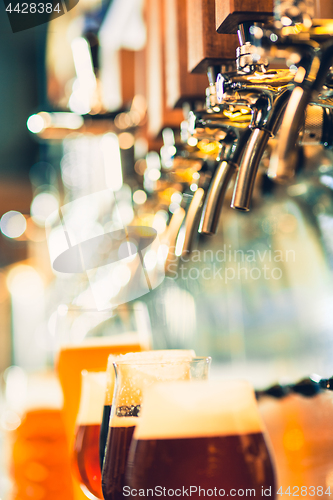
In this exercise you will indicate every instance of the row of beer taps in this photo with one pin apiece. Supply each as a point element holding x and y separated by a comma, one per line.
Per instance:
<point>253,122</point>
<point>247,107</point>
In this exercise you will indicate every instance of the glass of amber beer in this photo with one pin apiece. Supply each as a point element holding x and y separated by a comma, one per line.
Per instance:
<point>111,378</point>
<point>132,377</point>
<point>86,450</point>
<point>200,435</point>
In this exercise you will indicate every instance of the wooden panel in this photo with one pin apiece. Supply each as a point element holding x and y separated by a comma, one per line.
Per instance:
<point>181,85</point>
<point>159,115</point>
<point>229,13</point>
<point>324,9</point>
<point>205,46</point>
<point>127,70</point>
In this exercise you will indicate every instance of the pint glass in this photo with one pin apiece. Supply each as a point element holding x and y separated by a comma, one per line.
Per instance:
<point>86,450</point>
<point>200,436</point>
<point>110,383</point>
<point>131,380</point>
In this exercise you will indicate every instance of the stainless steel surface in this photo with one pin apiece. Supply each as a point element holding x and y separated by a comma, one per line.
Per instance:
<point>248,169</point>
<point>192,221</point>
<point>312,132</point>
<point>215,196</point>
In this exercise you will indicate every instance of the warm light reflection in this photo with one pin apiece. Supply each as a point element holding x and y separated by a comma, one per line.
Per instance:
<point>208,147</point>
<point>126,140</point>
<point>24,283</point>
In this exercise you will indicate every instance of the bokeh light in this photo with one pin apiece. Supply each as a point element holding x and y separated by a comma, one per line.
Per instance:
<point>42,206</point>
<point>13,224</point>
<point>35,124</point>
<point>139,197</point>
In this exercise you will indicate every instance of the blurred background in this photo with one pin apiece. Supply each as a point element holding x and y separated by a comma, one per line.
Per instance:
<point>91,105</point>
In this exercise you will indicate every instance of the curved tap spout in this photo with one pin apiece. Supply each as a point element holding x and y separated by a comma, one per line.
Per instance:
<point>192,221</point>
<point>266,119</point>
<point>248,169</point>
<point>310,78</point>
<point>216,193</point>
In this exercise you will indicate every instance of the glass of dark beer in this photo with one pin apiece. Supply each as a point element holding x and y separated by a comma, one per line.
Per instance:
<point>86,451</point>
<point>110,383</point>
<point>132,378</point>
<point>206,435</point>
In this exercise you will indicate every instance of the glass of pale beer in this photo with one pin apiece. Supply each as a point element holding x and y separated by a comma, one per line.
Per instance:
<point>200,435</point>
<point>86,449</point>
<point>132,378</point>
<point>111,378</point>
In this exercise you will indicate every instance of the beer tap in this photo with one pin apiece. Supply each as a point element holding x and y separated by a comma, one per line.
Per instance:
<point>312,44</point>
<point>266,93</point>
<point>233,136</point>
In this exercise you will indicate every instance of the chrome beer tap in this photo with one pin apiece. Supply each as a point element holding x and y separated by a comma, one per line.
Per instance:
<point>233,136</point>
<point>311,46</point>
<point>265,92</point>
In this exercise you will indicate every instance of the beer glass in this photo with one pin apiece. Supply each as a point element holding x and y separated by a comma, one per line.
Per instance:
<point>86,451</point>
<point>110,383</point>
<point>131,380</point>
<point>206,435</point>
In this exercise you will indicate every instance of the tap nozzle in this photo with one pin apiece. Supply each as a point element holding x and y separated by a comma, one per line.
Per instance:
<point>192,221</point>
<point>248,168</point>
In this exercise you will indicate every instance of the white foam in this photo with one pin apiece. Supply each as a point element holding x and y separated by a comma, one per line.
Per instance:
<point>92,398</point>
<point>156,355</point>
<point>142,357</point>
<point>124,421</point>
<point>198,409</point>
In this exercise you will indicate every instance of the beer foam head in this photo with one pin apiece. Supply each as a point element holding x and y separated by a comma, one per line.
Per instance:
<point>141,357</point>
<point>156,355</point>
<point>134,377</point>
<point>198,409</point>
<point>92,398</point>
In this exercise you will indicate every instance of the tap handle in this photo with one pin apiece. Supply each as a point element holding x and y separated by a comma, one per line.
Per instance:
<point>248,168</point>
<point>215,196</point>
<point>192,221</point>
